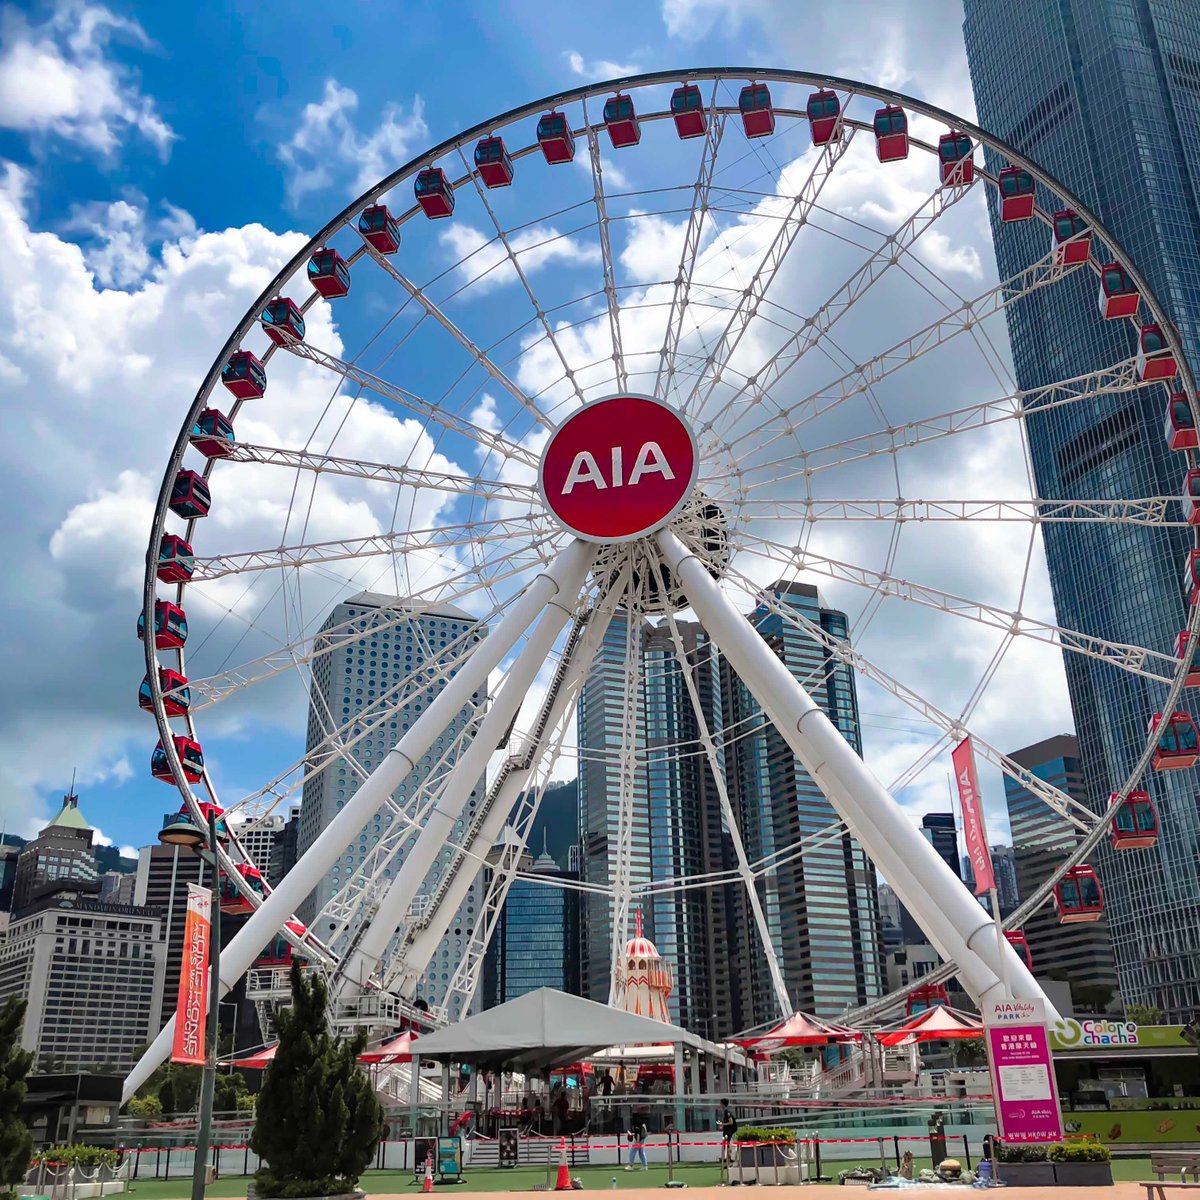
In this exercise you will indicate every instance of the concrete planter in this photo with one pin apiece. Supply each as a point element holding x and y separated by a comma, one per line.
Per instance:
<point>765,1175</point>
<point>1027,1174</point>
<point>1083,1174</point>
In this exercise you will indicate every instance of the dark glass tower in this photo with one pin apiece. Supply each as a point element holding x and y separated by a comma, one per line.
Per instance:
<point>1105,95</point>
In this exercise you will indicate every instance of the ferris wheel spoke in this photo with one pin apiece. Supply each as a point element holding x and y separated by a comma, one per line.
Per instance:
<point>1065,805</point>
<point>891,251</point>
<point>1149,510</point>
<point>1016,406</point>
<point>356,468</point>
<point>466,533</point>
<point>213,689</point>
<point>606,255</point>
<point>481,357</point>
<point>437,413</point>
<point>1134,659</point>
<point>1043,273</point>
<point>691,248</point>
<point>515,262</point>
<point>751,297</point>
<point>717,772</point>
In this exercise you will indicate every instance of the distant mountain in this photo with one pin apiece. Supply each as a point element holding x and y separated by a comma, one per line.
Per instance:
<point>558,821</point>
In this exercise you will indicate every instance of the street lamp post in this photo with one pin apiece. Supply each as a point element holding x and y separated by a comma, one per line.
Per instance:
<point>184,833</point>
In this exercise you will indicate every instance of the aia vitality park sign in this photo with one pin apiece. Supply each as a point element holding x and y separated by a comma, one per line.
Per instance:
<point>619,468</point>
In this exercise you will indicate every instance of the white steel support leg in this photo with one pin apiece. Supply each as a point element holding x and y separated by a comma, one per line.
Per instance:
<point>422,947</point>
<point>295,886</point>
<point>952,920</point>
<point>567,576</point>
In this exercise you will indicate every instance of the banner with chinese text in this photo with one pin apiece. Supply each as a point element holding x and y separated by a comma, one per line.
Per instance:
<point>192,1005</point>
<point>1023,1084</point>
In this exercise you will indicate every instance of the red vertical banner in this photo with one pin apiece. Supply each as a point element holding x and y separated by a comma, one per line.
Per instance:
<point>974,830</point>
<point>192,1005</point>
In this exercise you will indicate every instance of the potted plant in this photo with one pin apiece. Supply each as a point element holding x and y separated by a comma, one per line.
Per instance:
<point>1024,1166</point>
<point>768,1147</point>
<point>1081,1164</point>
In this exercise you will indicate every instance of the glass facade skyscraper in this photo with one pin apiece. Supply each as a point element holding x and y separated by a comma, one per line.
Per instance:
<point>370,686</point>
<point>1105,95</point>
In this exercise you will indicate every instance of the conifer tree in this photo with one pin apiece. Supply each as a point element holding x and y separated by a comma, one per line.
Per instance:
<point>16,1146</point>
<point>318,1118</point>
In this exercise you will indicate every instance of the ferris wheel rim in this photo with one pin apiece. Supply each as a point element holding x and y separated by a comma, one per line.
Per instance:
<point>582,94</point>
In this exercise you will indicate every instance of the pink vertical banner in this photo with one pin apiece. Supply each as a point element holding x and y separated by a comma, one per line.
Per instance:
<point>1022,1070</point>
<point>192,1004</point>
<point>974,830</point>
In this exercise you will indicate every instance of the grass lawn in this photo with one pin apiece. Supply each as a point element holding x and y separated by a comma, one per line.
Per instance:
<point>594,1179</point>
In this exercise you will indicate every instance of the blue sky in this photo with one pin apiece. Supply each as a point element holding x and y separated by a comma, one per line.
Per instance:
<point>156,163</point>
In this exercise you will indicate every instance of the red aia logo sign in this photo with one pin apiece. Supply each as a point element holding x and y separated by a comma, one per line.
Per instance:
<point>618,468</point>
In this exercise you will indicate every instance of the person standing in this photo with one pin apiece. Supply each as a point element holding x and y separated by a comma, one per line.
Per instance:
<point>728,1123</point>
<point>637,1143</point>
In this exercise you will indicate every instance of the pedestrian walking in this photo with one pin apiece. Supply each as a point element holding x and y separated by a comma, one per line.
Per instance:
<point>637,1144</point>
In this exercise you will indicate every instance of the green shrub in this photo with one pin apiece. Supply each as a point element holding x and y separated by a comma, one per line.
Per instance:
<point>1007,1152</point>
<point>765,1133</point>
<point>87,1157</point>
<point>265,1184</point>
<point>148,1108</point>
<point>1083,1150</point>
<point>16,1146</point>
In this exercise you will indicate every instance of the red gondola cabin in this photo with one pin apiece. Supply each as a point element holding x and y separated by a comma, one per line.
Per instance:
<point>170,626</point>
<point>555,138</point>
<point>824,115</point>
<point>1154,359</point>
<point>1078,896</point>
<point>232,900</point>
<point>687,108</point>
<point>758,117</point>
<point>493,162</point>
<point>1070,238</point>
<point>1192,678</point>
<point>190,756</point>
<point>954,158</point>
<point>283,322</point>
<point>434,193</point>
<point>1018,941</point>
<point>212,434</point>
<point>1180,425</point>
<point>620,119</point>
<point>177,696</point>
<point>1118,294</point>
<point>176,562</point>
<point>378,229</point>
<point>1191,576</point>
<point>1135,823</point>
<point>244,375</point>
<point>190,497</point>
<point>931,995</point>
<point>1016,186</point>
<point>891,134</point>
<point>1178,748</point>
<point>329,273</point>
<point>1191,496</point>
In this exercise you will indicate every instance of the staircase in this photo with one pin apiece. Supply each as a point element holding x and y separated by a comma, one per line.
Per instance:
<point>532,1151</point>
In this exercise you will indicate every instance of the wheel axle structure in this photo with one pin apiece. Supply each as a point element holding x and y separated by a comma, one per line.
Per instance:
<point>611,396</point>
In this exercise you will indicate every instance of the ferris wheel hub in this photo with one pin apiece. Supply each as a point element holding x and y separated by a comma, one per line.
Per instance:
<point>619,468</point>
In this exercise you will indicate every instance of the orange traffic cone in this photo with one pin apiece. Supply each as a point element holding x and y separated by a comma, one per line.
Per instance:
<point>563,1182</point>
<point>427,1186</point>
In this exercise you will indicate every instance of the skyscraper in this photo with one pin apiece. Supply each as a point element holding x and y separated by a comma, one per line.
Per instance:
<point>1105,94</point>
<point>536,941</point>
<point>374,681</point>
<point>822,908</point>
<point>1042,840</point>
<point>940,832</point>
<point>60,855</point>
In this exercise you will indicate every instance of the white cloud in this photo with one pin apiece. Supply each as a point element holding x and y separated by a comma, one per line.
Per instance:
<point>600,68</point>
<point>485,261</point>
<point>58,78</point>
<point>328,150</point>
<point>692,20</point>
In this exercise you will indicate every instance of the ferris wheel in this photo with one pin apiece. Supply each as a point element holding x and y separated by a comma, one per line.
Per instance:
<point>635,353</point>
